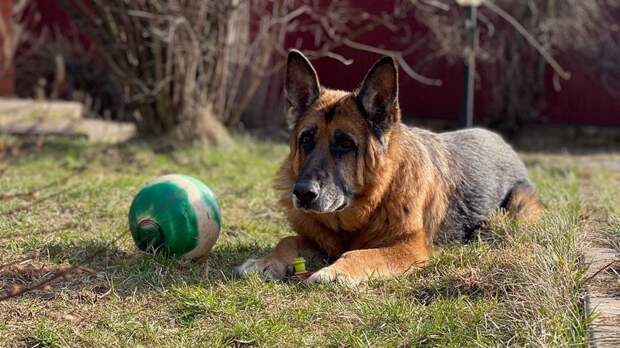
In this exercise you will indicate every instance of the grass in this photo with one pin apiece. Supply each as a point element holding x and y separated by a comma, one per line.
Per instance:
<point>602,198</point>
<point>517,285</point>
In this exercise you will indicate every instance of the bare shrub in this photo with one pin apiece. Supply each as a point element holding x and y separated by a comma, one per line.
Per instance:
<point>582,31</point>
<point>54,63</point>
<point>184,68</point>
<point>169,56</point>
<point>190,66</point>
<point>144,54</point>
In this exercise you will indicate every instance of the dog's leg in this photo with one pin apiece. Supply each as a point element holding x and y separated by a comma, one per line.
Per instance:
<point>275,264</point>
<point>384,262</point>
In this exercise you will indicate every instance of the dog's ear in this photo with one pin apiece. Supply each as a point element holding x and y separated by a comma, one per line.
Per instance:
<point>378,95</point>
<point>302,84</point>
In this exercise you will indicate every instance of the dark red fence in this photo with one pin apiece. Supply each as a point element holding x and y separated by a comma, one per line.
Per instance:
<point>6,70</point>
<point>583,99</point>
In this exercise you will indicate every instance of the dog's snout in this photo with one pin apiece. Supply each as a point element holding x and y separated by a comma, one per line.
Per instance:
<point>306,191</point>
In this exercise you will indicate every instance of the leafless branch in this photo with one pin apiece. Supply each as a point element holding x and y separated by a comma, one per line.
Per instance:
<point>524,32</point>
<point>399,59</point>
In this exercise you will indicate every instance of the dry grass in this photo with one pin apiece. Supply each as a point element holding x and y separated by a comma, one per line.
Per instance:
<point>517,285</point>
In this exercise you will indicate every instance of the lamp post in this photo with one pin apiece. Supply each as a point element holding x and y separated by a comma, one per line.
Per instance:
<point>471,38</point>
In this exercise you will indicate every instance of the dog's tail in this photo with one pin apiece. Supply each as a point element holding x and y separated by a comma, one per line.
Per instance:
<point>523,204</point>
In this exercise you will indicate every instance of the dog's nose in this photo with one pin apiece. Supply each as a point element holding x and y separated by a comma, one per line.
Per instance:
<point>306,191</point>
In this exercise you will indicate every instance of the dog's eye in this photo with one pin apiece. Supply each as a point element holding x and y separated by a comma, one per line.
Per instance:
<point>307,141</point>
<point>343,143</point>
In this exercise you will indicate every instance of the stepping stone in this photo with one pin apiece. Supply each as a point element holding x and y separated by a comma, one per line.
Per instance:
<point>603,298</point>
<point>30,117</point>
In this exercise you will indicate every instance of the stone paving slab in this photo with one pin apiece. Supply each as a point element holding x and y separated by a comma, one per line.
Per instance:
<point>603,297</point>
<point>30,117</point>
<point>28,109</point>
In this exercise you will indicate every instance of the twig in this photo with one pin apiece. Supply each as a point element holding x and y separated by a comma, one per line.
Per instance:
<point>339,57</point>
<point>16,262</point>
<point>7,196</point>
<point>399,59</point>
<point>600,270</point>
<point>62,273</point>
<point>437,4</point>
<point>532,41</point>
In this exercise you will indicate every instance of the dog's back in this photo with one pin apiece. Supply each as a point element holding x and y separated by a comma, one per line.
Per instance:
<point>485,174</point>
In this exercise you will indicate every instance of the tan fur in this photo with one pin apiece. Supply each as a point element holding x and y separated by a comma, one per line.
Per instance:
<point>400,204</point>
<point>400,182</point>
<point>524,205</point>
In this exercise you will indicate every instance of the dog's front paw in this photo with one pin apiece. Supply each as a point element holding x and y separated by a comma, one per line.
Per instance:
<point>269,269</point>
<point>331,275</point>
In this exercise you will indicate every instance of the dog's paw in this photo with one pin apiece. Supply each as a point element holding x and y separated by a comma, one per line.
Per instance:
<point>324,275</point>
<point>270,270</point>
<point>331,275</point>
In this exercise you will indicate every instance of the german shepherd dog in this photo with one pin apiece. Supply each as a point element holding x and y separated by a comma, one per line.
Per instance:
<point>374,195</point>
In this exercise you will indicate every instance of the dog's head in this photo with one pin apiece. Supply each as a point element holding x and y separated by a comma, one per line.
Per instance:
<point>337,137</point>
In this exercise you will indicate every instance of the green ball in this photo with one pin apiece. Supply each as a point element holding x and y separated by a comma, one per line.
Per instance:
<point>176,215</point>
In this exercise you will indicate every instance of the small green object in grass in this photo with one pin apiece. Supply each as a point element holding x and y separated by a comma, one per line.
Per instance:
<point>176,215</point>
<point>299,265</point>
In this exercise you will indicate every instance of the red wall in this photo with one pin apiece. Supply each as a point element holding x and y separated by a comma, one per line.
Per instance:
<point>417,100</point>
<point>582,100</point>
<point>7,84</point>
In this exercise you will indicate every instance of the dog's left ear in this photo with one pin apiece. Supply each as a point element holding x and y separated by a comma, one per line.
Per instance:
<point>378,95</point>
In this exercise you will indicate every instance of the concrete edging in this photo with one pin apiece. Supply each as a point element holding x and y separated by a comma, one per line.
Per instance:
<point>601,300</point>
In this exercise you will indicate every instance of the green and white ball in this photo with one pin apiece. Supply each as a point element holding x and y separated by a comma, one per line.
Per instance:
<point>176,215</point>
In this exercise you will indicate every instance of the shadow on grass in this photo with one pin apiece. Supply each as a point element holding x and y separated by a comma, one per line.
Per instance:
<point>129,273</point>
<point>125,274</point>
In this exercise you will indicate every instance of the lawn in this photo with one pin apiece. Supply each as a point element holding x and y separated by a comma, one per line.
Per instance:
<point>65,200</point>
